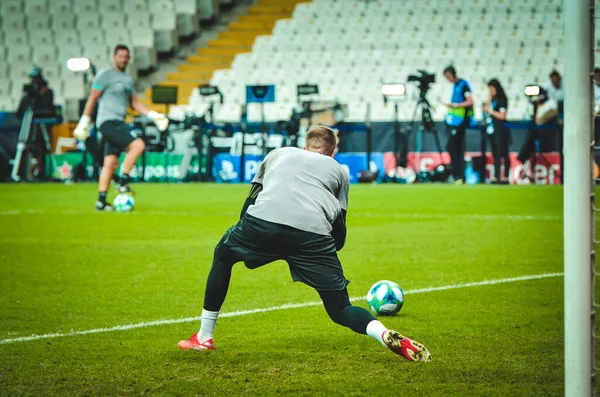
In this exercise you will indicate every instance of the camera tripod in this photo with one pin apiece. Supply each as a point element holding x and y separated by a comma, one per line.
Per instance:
<point>422,123</point>
<point>25,142</point>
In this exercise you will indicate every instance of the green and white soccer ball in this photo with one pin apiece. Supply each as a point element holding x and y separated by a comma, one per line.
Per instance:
<point>385,298</point>
<point>123,203</point>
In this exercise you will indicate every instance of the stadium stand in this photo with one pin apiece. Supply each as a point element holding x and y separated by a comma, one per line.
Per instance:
<point>220,52</point>
<point>350,48</point>
<point>48,32</point>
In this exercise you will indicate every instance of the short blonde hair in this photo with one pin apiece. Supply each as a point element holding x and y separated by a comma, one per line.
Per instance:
<point>322,139</point>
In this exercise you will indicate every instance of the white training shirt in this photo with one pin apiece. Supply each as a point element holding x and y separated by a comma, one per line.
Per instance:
<point>301,189</point>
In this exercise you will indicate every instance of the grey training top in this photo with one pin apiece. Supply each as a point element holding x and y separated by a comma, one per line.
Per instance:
<point>117,88</point>
<point>301,189</point>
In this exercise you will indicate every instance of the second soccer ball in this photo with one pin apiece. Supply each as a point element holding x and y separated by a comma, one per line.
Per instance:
<point>123,203</point>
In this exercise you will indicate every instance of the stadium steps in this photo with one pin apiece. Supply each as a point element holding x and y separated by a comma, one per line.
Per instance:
<point>220,52</point>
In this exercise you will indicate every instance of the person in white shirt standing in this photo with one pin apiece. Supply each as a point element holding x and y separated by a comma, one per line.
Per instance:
<point>549,108</point>
<point>550,100</point>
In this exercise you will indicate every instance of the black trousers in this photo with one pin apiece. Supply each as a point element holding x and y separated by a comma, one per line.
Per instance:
<point>528,148</point>
<point>312,259</point>
<point>456,150</point>
<point>500,141</point>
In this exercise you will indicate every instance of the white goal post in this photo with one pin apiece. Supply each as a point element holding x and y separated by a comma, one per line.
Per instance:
<point>579,344</point>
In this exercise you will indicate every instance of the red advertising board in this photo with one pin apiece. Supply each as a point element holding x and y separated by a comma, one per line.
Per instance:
<point>547,166</point>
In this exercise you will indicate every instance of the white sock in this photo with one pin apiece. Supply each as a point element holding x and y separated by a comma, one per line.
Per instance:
<point>375,329</point>
<point>207,327</point>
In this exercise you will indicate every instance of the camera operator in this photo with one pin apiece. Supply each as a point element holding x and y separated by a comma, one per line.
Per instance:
<point>459,115</point>
<point>549,109</point>
<point>551,99</point>
<point>38,96</point>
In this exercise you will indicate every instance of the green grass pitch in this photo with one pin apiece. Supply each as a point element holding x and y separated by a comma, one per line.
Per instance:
<point>66,268</point>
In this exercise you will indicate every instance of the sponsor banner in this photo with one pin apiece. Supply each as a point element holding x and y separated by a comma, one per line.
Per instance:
<point>164,167</point>
<point>160,167</point>
<point>547,166</point>
<point>226,168</point>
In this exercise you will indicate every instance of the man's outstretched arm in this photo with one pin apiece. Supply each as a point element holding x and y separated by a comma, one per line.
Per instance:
<point>339,230</point>
<point>255,188</point>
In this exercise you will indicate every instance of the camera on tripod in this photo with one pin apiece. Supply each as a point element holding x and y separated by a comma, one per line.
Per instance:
<point>31,91</point>
<point>423,78</point>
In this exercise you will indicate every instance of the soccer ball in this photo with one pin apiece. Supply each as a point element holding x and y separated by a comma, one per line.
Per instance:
<point>123,203</point>
<point>385,298</point>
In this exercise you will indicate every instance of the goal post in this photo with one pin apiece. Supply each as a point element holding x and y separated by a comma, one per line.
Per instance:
<point>578,199</point>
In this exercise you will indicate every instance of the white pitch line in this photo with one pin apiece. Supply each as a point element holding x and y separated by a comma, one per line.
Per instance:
<point>462,216</point>
<point>268,309</point>
<point>356,214</point>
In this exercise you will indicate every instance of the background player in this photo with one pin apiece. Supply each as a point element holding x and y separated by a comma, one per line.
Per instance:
<point>296,211</point>
<point>112,89</point>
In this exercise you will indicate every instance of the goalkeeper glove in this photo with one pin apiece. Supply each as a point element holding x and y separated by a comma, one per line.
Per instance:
<point>82,131</point>
<point>161,121</point>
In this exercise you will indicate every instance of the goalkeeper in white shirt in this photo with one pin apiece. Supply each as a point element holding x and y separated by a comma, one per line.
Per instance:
<point>112,89</point>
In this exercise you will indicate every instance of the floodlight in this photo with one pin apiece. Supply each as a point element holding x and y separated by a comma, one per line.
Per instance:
<point>79,64</point>
<point>391,90</point>
<point>532,90</point>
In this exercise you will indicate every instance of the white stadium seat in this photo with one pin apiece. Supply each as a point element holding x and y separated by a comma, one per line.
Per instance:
<point>187,17</point>
<point>5,70</point>
<point>66,38</point>
<point>57,7</point>
<point>16,37</point>
<point>112,20</point>
<point>111,6</point>
<point>38,20</point>
<point>7,104</point>
<point>64,21</point>
<point>40,37</point>
<point>139,20</point>
<point>44,55</point>
<point>118,36</point>
<point>98,55</point>
<point>85,7</point>
<point>92,37</point>
<point>164,24</point>
<point>6,90</point>
<point>88,21</point>
<point>143,48</point>
<point>19,54</point>
<point>74,88</point>
<point>35,6</point>
<point>208,10</point>
<point>9,8</point>
<point>135,6</point>
<point>13,22</point>
<point>67,52</point>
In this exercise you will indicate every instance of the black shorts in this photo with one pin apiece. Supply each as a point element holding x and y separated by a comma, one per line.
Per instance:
<point>116,136</point>
<point>312,257</point>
